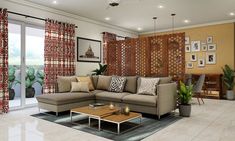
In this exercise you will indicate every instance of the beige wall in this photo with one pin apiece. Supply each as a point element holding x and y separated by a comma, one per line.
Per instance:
<point>223,37</point>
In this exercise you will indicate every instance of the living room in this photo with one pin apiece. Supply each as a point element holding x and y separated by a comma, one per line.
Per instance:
<point>117,70</point>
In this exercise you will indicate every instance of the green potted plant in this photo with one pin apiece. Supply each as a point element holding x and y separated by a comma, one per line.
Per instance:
<point>102,69</point>
<point>228,79</point>
<point>185,95</point>
<point>12,82</point>
<point>29,81</point>
<point>40,78</point>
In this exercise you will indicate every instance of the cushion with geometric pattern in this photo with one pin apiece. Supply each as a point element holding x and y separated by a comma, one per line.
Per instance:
<point>117,84</point>
<point>148,86</point>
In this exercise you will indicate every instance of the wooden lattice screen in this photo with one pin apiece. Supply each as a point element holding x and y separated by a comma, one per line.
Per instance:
<point>148,56</point>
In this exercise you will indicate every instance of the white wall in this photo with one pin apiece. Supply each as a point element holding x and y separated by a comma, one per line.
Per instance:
<point>87,28</point>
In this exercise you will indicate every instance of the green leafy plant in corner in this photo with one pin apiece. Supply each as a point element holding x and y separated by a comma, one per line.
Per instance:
<point>40,77</point>
<point>30,77</point>
<point>228,77</point>
<point>102,69</point>
<point>11,77</point>
<point>185,93</point>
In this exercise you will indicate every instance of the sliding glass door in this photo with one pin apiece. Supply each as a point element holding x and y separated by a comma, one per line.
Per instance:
<point>26,60</point>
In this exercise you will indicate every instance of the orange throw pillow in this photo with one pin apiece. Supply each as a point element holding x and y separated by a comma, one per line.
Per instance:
<point>86,79</point>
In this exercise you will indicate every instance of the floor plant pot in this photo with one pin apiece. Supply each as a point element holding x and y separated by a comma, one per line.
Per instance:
<point>185,110</point>
<point>230,95</point>
<point>30,92</point>
<point>11,94</point>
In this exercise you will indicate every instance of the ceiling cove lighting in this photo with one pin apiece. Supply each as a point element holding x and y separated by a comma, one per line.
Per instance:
<point>107,18</point>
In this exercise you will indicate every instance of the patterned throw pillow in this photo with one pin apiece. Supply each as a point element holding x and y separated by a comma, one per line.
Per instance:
<point>117,84</point>
<point>148,86</point>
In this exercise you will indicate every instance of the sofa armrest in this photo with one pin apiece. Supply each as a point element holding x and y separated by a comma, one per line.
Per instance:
<point>166,101</point>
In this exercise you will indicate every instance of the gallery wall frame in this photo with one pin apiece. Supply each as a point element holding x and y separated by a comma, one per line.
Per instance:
<point>88,50</point>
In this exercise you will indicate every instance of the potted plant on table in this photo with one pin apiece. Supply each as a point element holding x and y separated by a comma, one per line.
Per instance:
<point>185,95</point>
<point>12,82</point>
<point>102,69</point>
<point>228,79</point>
<point>29,81</point>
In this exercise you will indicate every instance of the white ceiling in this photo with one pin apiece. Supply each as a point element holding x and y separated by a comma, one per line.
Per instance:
<point>131,14</point>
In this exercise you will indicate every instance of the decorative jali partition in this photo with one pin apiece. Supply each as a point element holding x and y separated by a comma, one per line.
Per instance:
<point>162,55</point>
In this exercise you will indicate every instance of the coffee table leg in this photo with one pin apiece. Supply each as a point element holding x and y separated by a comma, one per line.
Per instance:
<point>99,124</point>
<point>118,128</point>
<point>89,121</point>
<point>71,116</point>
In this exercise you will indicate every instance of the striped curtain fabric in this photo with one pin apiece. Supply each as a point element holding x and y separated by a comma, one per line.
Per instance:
<point>4,96</point>
<point>59,53</point>
<point>107,37</point>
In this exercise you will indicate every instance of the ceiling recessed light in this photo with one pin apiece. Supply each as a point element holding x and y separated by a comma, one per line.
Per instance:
<point>107,18</point>
<point>231,14</point>
<point>54,2</point>
<point>186,21</point>
<point>160,6</point>
<point>139,28</point>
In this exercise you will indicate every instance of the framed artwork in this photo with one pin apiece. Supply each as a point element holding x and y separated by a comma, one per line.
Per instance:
<point>201,62</point>
<point>187,48</point>
<point>210,58</point>
<point>187,40</point>
<point>204,47</point>
<point>209,40</point>
<point>195,46</point>
<point>189,65</point>
<point>211,47</point>
<point>193,57</point>
<point>88,50</point>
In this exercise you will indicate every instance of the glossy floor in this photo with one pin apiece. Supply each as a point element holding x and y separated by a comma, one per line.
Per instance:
<point>213,121</point>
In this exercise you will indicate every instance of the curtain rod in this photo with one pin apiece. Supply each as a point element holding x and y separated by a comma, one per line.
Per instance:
<point>28,16</point>
<point>116,35</point>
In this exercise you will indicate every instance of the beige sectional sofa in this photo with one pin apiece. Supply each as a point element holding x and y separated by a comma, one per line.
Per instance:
<point>163,102</point>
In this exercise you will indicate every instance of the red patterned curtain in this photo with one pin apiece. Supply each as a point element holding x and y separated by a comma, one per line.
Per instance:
<point>4,97</point>
<point>59,53</point>
<point>107,37</point>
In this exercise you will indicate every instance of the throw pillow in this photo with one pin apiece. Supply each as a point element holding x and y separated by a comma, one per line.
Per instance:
<point>131,84</point>
<point>64,83</point>
<point>80,87</point>
<point>103,82</point>
<point>117,84</point>
<point>86,79</point>
<point>148,86</point>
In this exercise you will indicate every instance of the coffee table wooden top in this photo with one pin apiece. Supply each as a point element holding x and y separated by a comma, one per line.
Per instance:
<point>101,111</point>
<point>119,118</point>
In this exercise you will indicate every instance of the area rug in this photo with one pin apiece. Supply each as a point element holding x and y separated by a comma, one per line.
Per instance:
<point>149,125</point>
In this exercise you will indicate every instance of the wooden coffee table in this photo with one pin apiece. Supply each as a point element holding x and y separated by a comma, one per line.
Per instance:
<point>105,114</point>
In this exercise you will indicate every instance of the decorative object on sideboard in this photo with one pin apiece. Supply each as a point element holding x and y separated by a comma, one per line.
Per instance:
<point>211,47</point>
<point>101,70</point>
<point>195,46</point>
<point>201,62</point>
<point>210,58</point>
<point>228,79</point>
<point>111,106</point>
<point>204,47</point>
<point>187,48</point>
<point>185,95</point>
<point>187,40</point>
<point>209,40</point>
<point>88,50</point>
<point>193,58</point>
<point>189,65</point>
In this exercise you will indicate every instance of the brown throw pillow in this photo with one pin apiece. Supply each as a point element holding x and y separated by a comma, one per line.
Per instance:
<point>79,87</point>
<point>103,82</point>
<point>88,80</point>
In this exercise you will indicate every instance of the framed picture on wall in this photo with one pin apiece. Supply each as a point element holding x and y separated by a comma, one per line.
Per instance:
<point>211,47</point>
<point>195,46</point>
<point>189,65</point>
<point>201,62</point>
<point>187,48</point>
<point>209,40</point>
<point>193,57</point>
<point>187,40</point>
<point>204,47</point>
<point>88,50</point>
<point>210,58</point>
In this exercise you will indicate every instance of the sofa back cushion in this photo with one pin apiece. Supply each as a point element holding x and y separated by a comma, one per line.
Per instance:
<point>103,82</point>
<point>88,80</point>
<point>164,80</point>
<point>117,84</point>
<point>64,83</point>
<point>94,79</point>
<point>131,84</point>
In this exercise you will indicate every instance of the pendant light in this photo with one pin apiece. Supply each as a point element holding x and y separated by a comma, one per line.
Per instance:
<point>173,43</point>
<point>155,32</point>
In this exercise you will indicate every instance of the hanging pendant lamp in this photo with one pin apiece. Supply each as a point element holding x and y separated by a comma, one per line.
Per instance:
<point>173,43</point>
<point>155,33</point>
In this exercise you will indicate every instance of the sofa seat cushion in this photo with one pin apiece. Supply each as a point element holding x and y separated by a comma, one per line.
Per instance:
<point>65,98</point>
<point>137,99</point>
<point>111,96</point>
